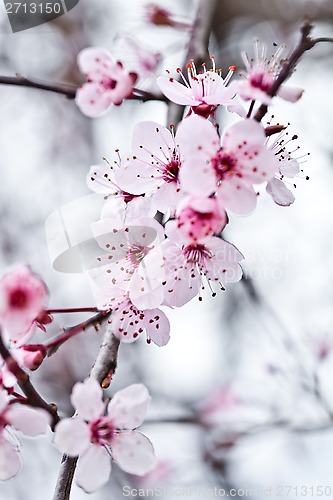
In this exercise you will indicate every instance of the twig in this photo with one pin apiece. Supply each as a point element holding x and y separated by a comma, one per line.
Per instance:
<point>305,43</point>
<point>71,310</point>
<point>96,320</point>
<point>33,397</point>
<point>69,91</point>
<point>197,49</point>
<point>105,363</point>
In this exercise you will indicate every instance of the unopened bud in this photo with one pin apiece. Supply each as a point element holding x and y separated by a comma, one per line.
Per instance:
<point>31,356</point>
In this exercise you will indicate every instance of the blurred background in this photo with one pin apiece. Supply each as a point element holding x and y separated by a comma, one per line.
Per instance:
<point>242,394</point>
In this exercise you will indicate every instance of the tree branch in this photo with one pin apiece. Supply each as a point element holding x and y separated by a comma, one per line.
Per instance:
<point>33,397</point>
<point>103,369</point>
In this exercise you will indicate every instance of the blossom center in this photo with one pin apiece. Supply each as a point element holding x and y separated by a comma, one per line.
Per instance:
<point>136,253</point>
<point>225,165</point>
<point>101,431</point>
<point>171,171</point>
<point>196,253</point>
<point>18,299</point>
<point>260,79</point>
<point>108,83</point>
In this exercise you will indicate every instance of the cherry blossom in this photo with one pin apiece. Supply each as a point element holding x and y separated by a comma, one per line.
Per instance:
<point>124,266</point>
<point>199,218</point>
<point>128,322</point>
<point>31,422</point>
<point>107,82</point>
<point>22,297</point>
<point>154,167</point>
<point>228,166</point>
<point>288,168</point>
<point>99,432</point>
<point>260,75</point>
<point>188,264</point>
<point>203,91</point>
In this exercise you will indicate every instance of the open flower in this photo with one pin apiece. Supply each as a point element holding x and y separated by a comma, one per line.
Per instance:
<point>31,422</point>
<point>22,297</point>
<point>229,166</point>
<point>154,167</point>
<point>107,82</point>
<point>97,433</point>
<point>261,74</point>
<point>203,92</point>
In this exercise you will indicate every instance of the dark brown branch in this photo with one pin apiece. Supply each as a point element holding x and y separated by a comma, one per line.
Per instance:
<point>33,397</point>
<point>305,43</point>
<point>69,91</point>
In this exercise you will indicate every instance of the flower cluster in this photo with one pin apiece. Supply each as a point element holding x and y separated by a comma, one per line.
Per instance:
<point>189,179</point>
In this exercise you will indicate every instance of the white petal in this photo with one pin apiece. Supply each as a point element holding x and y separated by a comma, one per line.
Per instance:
<point>3,399</point>
<point>134,453</point>
<point>176,91</point>
<point>291,94</point>
<point>128,407</point>
<point>87,399</point>
<point>27,420</point>
<point>92,100</point>
<point>197,138</point>
<point>93,469</point>
<point>280,193</point>
<point>237,196</point>
<point>157,326</point>
<point>10,462</point>
<point>72,436</point>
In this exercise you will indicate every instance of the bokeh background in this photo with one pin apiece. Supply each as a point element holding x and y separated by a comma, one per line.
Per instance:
<point>242,394</point>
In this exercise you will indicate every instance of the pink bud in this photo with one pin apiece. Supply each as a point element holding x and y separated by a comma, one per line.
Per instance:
<point>31,356</point>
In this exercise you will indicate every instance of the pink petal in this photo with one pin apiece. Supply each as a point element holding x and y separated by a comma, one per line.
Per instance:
<point>237,196</point>
<point>197,177</point>
<point>72,436</point>
<point>10,462</point>
<point>3,398</point>
<point>99,179</point>
<point>93,469</point>
<point>134,453</point>
<point>197,138</point>
<point>94,59</point>
<point>289,168</point>
<point>291,94</point>
<point>157,326</point>
<point>224,266</point>
<point>87,399</point>
<point>30,422</point>
<point>177,92</point>
<point>137,177</point>
<point>92,100</point>
<point>280,193</point>
<point>166,197</point>
<point>128,407</point>
<point>151,138</point>
<point>248,132</point>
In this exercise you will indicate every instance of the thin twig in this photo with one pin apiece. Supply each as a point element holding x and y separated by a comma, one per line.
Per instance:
<point>95,321</point>
<point>69,91</point>
<point>71,310</point>
<point>33,397</point>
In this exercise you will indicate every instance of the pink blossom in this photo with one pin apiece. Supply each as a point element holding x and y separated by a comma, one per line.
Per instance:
<point>22,297</point>
<point>260,75</point>
<point>143,59</point>
<point>31,422</point>
<point>188,265</point>
<point>124,265</point>
<point>154,167</point>
<point>228,166</point>
<point>198,217</point>
<point>203,91</point>
<point>128,322</point>
<point>99,432</point>
<point>30,356</point>
<point>217,405</point>
<point>288,168</point>
<point>107,82</point>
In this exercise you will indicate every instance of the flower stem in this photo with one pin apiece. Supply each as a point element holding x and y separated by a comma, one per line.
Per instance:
<point>71,310</point>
